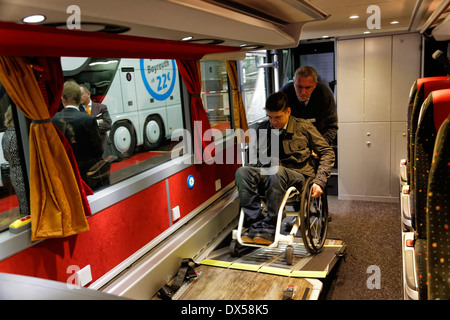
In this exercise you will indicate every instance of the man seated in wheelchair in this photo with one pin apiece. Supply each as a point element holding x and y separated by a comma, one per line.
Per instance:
<point>295,140</point>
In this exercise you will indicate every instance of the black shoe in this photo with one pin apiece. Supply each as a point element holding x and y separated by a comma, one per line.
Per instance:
<point>247,237</point>
<point>263,238</point>
<point>93,170</point>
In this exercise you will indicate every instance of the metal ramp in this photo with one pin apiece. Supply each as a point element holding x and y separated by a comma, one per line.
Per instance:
<point>206,238</point>
<point>262,274</point>
<point>273,261</point>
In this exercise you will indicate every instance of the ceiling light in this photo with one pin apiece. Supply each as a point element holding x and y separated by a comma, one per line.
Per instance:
<point>36,18</point>
<point>92,26</point>
<point>394,22</point>
<point>250,46</point>
<point>353,17</point>
<point>366,32</point>
<point>187,38</point>
<point>207,41</point>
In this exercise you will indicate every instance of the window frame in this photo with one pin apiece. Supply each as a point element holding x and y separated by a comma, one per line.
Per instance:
<point>11,243</point>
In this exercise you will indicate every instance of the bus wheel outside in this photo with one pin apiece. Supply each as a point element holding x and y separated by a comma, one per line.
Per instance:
<point>124,139</point>
<point>153,132</point>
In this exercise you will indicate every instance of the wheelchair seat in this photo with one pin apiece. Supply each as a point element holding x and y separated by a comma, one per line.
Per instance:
<point>310,218</point>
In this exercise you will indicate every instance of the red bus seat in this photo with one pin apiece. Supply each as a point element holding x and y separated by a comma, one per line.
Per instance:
<point>430,119</point>
<point>423,92</point>
<point>412,96</point>
<point>438,216</point>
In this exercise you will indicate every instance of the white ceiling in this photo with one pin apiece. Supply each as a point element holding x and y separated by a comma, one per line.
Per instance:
<point>278,27</point>
<point>410,14</point>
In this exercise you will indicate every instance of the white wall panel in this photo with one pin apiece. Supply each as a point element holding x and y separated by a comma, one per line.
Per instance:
<point>350,80</point>
<point>351,155</point>
<point>374,77</point>
<point>377,63</point>
<point>377,157</point>
<point>406,65</point>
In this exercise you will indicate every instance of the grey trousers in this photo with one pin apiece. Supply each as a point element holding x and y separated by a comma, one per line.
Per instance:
<point>251,182</point>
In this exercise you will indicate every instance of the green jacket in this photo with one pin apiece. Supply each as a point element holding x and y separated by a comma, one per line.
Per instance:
<point>300,138</point>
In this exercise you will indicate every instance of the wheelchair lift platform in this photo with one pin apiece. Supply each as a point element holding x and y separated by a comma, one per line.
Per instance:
<point>262,274</point>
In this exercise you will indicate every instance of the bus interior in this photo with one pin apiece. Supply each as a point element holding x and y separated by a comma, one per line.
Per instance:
<point>180,79</point>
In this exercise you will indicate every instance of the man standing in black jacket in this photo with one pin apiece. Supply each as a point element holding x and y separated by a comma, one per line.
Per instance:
<point>101,113</point>
<point>312,101</point>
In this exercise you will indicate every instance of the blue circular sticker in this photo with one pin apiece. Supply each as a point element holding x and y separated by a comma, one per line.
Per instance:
<point>159,77</point>
<point>190,181</point>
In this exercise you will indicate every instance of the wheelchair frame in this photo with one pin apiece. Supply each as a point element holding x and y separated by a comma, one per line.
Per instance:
<point>313,225</point>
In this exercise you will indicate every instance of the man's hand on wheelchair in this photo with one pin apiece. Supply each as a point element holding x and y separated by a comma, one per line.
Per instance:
<point>316,191</point>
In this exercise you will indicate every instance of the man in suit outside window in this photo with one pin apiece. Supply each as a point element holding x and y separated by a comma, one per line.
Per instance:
<point>101,113</point>
<point>81,130</point>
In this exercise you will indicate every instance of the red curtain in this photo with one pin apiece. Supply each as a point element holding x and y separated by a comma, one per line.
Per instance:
<point>190,74</point>
<point>50,79</point>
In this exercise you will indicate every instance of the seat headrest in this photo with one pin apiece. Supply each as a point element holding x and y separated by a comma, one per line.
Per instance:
<point>421,81</point>
<point>441,106</point>
<point>431,86</point>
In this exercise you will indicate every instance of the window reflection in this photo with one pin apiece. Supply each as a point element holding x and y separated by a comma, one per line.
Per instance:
<point>215,94</point>
<point>141,99</point>
<point>254,84</point>
<point>141,107</point>
<point>14,189</point>
<point>81,128</point>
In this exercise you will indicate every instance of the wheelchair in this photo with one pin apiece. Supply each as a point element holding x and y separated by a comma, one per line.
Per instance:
<point>310,217</point>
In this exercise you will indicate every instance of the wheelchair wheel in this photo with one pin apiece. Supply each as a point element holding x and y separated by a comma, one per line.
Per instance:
<point>234,248</point>
<point>314,219</point>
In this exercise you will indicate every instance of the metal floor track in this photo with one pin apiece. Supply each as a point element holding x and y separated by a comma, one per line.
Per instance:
<point>272,260</point>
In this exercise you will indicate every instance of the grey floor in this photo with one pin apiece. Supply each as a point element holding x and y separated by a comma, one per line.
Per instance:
<point>372,269</point>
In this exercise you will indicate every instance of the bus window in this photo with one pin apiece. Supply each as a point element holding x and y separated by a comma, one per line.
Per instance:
<point>215,94</point>
<point>14,189</point>
<point>143,99</point>
<point>288,69</point>
<point>254,85</point>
